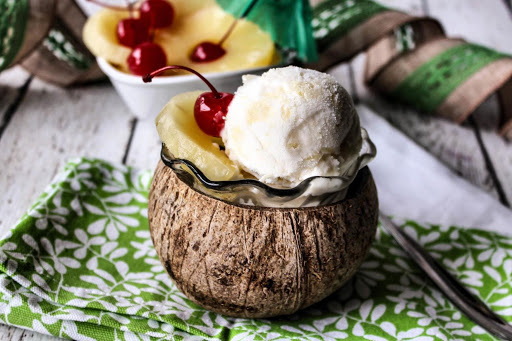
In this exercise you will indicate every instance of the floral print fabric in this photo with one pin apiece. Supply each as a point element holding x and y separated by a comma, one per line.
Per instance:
<point>80,264</point>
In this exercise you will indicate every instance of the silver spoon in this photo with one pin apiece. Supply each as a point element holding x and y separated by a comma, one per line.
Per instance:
<point>469,304</point>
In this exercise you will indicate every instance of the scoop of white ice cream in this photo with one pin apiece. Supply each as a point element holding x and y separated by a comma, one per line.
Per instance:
<point>290,124</point>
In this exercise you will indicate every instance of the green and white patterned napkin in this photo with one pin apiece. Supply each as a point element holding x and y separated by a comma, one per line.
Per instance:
<point>80,264</point>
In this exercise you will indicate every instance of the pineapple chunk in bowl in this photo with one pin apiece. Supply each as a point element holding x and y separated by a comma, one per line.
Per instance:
<point>145,100</point>
<point>199,161</point>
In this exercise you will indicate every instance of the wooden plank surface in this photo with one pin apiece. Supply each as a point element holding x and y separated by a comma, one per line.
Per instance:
<point>485,22</point>
<point>8,333</point>
<point>13,85</point>
<point>145,147</point>
<point>10,83</point>
<point>50,126</point>
<point>43,125</point>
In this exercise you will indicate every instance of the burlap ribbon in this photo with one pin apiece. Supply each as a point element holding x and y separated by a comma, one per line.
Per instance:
<point>411,59</point>
<point>44,36</point>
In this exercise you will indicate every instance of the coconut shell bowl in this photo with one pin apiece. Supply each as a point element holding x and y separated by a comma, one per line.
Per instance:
<point>243,249</point>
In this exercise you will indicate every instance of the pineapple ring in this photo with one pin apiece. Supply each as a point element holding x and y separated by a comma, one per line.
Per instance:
<point>100,30</point>
<point>181,135</point>
<point>195,21</point>
<point>100,37</point>
<point>247,47</point>
<point>183,8</point>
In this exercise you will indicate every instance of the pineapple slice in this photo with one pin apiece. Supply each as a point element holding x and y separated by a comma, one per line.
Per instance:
<point>182,8</point>
<point>100,37</point>
<point>195,21</point>
<point>247,47</point>
<point>100,30</point>
<point>181,135</point>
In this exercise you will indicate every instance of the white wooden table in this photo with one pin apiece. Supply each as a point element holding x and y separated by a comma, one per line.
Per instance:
<point>41,125</point>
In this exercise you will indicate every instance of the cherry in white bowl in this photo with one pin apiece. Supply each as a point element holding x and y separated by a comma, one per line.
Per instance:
<point>145,100</point>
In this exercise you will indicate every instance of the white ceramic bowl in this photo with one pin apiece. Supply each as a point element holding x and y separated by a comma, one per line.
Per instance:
<point>145,100</point>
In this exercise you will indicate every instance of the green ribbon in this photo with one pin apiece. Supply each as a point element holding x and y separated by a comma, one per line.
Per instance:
<point>332,19</point>
<point>63,49</point>
<point>425,88</point>
<point>13,23</point>
<point>430,84</point>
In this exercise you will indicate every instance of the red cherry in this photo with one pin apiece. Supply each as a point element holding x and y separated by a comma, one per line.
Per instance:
<point>132,32</point>
<point>210,112</point>
<point>210,109</point>
<point>158,13</point>
<point>207,52</point>
<point>146,58</point>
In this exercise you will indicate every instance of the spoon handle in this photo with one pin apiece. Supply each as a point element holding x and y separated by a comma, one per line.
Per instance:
<point>469,304</point>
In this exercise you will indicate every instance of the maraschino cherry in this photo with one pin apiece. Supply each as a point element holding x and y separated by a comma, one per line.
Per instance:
<point>157,13</point>
<point>146,57</point>
<point>153,14</point>
<point>207,51</point>
<point>210,109</point>
<point>132,32</point>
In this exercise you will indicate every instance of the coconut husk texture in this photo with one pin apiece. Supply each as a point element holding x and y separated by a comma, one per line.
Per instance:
<point>259,262</point>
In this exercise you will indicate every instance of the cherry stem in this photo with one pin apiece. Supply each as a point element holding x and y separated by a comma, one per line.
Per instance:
<point>116,8</point>
<point>149,77</point>
<point>228,32</point>
<point>130,8</point>
<point>245,13</point>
